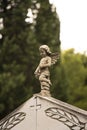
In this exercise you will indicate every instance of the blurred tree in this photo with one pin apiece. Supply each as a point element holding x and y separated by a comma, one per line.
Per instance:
<point>48,25</point>
<point>26,25</point>
<point>76,71</point>
<point>60,83</point>
<point>15,54</point>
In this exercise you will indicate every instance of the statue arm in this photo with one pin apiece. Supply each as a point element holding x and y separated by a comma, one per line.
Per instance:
<point>46,63</point>
<point>37,72</point>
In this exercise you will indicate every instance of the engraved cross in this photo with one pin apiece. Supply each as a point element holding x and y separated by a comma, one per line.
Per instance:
<point>36,106</point>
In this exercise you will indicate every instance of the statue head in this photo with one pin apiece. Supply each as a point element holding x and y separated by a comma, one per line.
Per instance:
<point>46,48</point>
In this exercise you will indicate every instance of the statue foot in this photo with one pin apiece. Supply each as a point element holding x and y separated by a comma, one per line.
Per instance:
<point>45,93</point>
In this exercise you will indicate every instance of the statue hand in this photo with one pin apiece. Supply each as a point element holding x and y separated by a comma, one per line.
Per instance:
<point>37,75</point>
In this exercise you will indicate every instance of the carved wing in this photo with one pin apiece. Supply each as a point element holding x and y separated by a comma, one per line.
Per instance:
<point>54,58</point>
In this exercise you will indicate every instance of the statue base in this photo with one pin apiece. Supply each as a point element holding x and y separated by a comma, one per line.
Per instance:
<point>45,93</point>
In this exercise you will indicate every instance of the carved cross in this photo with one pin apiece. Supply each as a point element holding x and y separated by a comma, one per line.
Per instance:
<point>36,106</point>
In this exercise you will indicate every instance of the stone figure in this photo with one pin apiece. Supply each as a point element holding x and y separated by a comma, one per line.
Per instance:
<point>42,71</point>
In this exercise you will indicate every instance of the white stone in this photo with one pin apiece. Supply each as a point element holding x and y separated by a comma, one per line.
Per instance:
<point>45,113</point>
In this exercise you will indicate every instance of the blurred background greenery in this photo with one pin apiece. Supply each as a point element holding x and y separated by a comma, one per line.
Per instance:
<point>24,26</point>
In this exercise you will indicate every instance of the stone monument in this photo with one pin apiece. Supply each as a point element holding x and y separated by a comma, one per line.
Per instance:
<point>42,112</point>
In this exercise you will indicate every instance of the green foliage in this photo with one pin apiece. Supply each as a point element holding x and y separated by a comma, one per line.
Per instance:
<point>76,74</point>
<point>60,83</point>
<point>48,27</point>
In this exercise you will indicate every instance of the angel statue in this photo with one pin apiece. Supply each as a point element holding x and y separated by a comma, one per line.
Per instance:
<point>42,71</point>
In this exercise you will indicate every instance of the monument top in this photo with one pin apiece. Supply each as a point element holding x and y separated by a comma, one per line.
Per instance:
<point>43,112</point>
<point>39,113</point>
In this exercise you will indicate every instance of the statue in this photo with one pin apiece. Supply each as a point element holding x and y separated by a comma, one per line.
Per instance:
<point>42,71</point>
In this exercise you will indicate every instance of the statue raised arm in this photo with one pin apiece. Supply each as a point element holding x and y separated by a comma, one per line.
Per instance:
<point>42,71</point>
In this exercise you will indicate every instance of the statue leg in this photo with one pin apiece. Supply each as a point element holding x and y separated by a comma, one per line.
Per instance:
<point>45,85</point>
<point>45,78</point>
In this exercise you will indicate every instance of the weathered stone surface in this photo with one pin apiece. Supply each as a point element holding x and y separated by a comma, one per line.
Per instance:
<point>42,72</point>
<point>45,113</point>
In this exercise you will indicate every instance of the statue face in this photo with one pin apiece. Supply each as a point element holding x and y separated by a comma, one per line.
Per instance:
<point>42,53</point>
